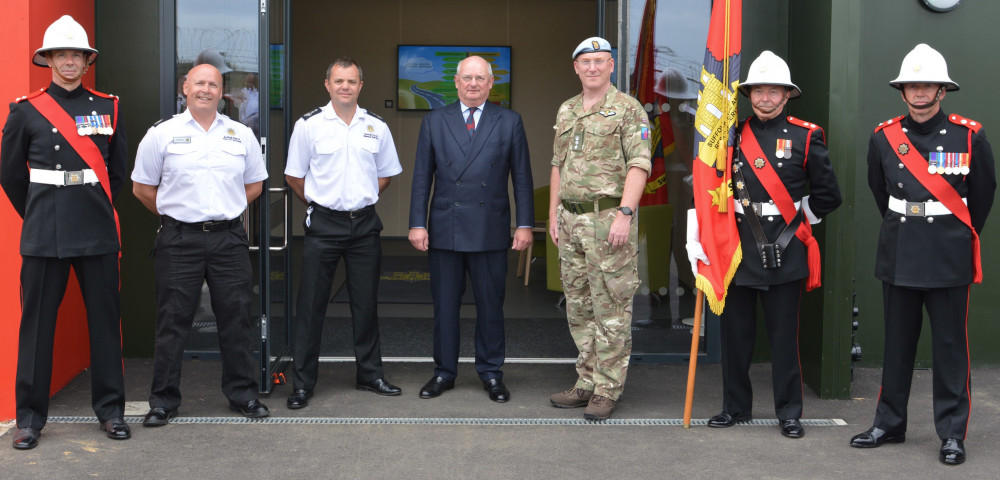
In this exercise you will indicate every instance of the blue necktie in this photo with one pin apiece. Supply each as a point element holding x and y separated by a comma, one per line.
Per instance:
<point>470,123</point>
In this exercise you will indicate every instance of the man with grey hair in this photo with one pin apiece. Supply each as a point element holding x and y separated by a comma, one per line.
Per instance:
<point>468,151</point>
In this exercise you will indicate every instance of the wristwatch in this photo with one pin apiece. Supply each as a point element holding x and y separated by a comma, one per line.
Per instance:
<point>625,210</point>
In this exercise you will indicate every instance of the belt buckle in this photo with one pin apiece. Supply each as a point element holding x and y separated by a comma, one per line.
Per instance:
<point>73,178</point>
<point>353,214</point>
<point>207,226</point>
<point>915,209</point>
<point>575,208</point>
<point>757,207</point>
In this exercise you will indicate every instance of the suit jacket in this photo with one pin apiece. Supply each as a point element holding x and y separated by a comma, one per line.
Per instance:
<point>920,252</point>
<point>69,221</point>
<point>470,208</point>
<point>806,169</point>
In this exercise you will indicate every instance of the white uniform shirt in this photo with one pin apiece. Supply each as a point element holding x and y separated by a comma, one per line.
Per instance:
<point>201,175</point>
<point>341,163</point>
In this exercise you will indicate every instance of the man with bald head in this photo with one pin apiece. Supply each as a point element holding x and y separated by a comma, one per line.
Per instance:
<point>468,151</point>
<point>198,171</point>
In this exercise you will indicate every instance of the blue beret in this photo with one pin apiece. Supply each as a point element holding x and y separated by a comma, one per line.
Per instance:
<point>591,45</point>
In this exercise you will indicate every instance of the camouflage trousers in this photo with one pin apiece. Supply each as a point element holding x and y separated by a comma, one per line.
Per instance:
<point>599,282</point>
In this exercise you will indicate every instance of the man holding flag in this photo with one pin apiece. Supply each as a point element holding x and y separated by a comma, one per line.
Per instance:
<point>778,159</point>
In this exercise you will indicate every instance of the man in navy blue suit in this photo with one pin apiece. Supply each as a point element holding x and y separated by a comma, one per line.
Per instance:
<point>468,150</point>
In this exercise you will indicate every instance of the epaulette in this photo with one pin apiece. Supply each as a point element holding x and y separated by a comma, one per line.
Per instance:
<point>30,95</point>
<point>314,112</point>
<point>965,122</point>
<point>802,123</point>
<point>370,114</point>
<point>158,122</point>
<point>888,122</point>
<point>101,94</point>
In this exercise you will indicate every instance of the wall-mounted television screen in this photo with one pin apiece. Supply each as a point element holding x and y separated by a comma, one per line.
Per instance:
<point>427,74</point>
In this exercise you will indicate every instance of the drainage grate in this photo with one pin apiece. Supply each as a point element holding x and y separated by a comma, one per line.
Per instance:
<point>815,422</point>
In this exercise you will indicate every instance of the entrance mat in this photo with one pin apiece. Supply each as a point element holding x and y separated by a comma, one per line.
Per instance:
<point>404,279</point>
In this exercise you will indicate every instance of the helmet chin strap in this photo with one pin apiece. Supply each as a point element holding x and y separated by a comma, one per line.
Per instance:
<point>925,106</point>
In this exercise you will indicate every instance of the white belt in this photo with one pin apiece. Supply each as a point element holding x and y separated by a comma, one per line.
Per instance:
<point>63,177</point>
<point>764,209</point>
<point>919,209</point>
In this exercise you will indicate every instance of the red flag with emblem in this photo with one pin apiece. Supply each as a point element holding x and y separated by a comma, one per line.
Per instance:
<point>661,130</point>
<point>715,128</point>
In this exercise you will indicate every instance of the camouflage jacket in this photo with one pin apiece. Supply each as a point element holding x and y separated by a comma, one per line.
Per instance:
<point>595,149</point>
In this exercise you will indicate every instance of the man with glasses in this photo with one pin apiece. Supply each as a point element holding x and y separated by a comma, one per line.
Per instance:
<point>599,168</point>
<point>468,151</point>
<point>779,159</point>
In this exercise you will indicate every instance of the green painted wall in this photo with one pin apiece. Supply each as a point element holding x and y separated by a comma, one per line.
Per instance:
<point>127,37</point>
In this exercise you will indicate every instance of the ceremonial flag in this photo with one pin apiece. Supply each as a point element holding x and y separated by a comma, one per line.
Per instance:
<point>715,128</point>
<point>662,135</point>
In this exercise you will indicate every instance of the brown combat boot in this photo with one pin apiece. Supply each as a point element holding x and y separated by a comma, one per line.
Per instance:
<point>571,398</point>
<point>599,408</point>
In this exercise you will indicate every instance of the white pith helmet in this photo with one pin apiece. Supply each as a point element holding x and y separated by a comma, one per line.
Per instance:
<point>769,69</point>
<point>924,65</point>
<point>64,34</point>
<point>672,84</point>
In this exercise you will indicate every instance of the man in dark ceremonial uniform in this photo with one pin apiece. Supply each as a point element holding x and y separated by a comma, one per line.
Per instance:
<point>933,178</point>
<point>62,164</point>
<point>780,159</point>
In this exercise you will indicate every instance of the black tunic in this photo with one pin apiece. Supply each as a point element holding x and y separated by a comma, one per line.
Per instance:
<point>70,221</point>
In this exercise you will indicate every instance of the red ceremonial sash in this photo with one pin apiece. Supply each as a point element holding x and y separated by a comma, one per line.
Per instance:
<point>82,144</point>
<point>776,189</point>
<point>937,185</point>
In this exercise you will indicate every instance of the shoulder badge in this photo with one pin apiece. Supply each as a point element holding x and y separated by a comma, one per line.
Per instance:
<point>158,122</point>
<point>314,112</point>
<point>802,123</point>
<point>888,122</point>
<point>370,114</point>
<point>965,122</point>
<point>101,94</point>
<point>30,95</point>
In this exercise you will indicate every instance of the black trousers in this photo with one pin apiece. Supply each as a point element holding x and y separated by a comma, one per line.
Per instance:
<point>185,259</point>
<point>739,326</point>
<point>43,284</point>
<point>488,274</point>
<point>330,236</point>
<point>947,309</point>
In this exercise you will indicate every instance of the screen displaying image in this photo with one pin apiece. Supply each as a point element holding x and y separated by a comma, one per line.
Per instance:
<point>427,74</point>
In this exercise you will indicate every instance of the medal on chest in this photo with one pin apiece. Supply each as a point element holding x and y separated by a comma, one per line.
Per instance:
<point>783,149</point>
<point>93,125</point>
<point>948,163</point>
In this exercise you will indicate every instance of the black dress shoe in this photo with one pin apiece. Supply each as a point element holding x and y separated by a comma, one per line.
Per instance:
<point>299,398</point>
<point>792,428</point>
<point>952,451</point>
<point>158,417</point>
<point>435,387</point>
<point>116,429</point>
<point>26,438</point>
<point>874,437</point>
<point>498,391</point>
<point>724,420</point>
<point>251,409</point>
<point>379,386</point>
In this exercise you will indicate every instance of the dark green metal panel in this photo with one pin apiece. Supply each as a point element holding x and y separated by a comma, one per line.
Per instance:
<point>128,66</point>
<point>967,38</point>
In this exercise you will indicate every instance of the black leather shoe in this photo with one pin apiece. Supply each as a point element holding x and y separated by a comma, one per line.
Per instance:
<point>299,398</point>
<point>26,438</point>
<point>379,386</point>
<point>498,391</point>
<point>792,428</point>
<point>724,420</point>
<point>952,452</point>
<point>435,387</point>
<point>251,409</point>
<point>874,437</point>
<point>158,417</point>
<point>116,429</point>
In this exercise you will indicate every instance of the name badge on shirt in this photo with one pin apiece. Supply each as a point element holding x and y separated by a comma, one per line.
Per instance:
<point>181,140</point>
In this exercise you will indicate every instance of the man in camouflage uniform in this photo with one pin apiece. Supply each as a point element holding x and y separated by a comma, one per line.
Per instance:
<point>600,165</point>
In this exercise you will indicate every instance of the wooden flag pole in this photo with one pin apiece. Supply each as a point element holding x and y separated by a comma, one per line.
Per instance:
<point>693,362</point>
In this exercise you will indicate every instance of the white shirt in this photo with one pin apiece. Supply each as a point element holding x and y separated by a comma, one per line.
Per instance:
<point>341,163</point>
<point>201,175</point>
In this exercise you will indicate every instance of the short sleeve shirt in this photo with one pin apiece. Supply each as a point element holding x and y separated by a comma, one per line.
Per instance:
<point>341,163</point>
<point>201,175</point>
<point>595,149</point>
